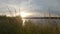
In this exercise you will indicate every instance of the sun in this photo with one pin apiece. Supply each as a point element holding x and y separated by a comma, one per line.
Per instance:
<point>24,14</point>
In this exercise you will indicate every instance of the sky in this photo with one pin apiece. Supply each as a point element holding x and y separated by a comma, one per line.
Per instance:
<point>37,8</point>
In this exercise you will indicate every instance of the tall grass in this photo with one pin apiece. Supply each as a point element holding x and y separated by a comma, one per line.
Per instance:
<point>13,25</point>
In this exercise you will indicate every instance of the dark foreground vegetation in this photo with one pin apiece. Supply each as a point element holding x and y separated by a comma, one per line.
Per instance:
<point>13,25</point>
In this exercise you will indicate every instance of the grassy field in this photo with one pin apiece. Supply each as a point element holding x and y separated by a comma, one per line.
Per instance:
<point>13,25</point>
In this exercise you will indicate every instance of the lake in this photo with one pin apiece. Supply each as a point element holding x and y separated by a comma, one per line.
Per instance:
<point>43,21</point>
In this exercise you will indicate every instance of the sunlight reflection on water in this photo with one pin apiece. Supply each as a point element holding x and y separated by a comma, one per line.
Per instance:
<point>23,22</point>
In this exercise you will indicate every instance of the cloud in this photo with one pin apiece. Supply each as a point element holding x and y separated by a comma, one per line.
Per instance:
<point>35,6</point>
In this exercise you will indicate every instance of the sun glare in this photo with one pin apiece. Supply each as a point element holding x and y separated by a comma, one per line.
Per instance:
<point>24,14</point>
